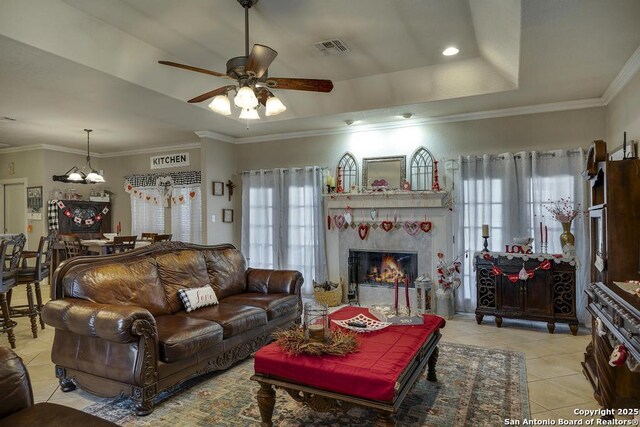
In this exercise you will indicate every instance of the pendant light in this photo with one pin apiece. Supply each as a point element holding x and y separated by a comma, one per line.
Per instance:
<point>78,175</point>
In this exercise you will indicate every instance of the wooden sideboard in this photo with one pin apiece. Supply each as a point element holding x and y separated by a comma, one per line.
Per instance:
<point>548,296</point>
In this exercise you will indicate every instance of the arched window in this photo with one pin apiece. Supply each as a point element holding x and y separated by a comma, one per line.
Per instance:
<point>421,167</point>
<point>349,168</point>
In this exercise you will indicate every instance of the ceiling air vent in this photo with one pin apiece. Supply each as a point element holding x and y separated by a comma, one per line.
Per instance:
<point>331,47</point>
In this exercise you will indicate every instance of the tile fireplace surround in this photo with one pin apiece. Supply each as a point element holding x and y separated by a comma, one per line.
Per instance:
<point>409,206</point>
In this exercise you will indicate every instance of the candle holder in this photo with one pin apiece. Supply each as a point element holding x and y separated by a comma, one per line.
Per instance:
<point>316,322</point>
<point>330,189</point>
<point>544,247</point>
<point>485,244</point>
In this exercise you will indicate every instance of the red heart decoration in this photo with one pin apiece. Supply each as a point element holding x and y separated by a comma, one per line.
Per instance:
<point>545,265</point>
<point>129,187</point>
<point>363,231</point>
<point>339,221</point>
<point>192,194</point>
<point>148,198</point>
<point>425,226</point>
<point>386,225</point>
<point>181,198</point>
<point>411,227</point>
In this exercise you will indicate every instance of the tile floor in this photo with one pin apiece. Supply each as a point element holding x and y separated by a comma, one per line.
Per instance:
<point>556,384</point>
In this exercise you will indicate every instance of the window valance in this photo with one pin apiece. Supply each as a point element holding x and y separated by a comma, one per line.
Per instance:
<point>177,178</point>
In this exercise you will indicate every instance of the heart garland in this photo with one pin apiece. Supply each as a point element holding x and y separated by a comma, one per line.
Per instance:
<point>373,213</point>
<point>386,225</point>
<point>425,226</point>
<point>523,274</point>
<point>363,231</point>
<point>411,227</point>
<point>339,221</point>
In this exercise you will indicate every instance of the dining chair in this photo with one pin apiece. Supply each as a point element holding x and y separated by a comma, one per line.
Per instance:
<point>72,245</point>
<point>123,244</point>
<point>162,237</point>
<point>34,274</point>
<point>148,236</point>
<point>10,252</point>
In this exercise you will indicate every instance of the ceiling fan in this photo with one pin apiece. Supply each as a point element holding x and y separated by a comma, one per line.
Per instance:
<point>253,84</point>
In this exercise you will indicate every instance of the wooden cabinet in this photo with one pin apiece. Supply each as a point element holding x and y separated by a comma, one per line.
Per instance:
<point>548,296</point>
<point>83,210</point>
<point>615,257</point>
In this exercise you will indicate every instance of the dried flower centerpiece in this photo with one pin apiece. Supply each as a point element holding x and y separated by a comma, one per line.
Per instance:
<point>448,281</point>
<point>292,341</point>
<point>565,211</point>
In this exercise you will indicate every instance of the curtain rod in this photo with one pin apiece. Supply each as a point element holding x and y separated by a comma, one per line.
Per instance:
<point>284,170</point>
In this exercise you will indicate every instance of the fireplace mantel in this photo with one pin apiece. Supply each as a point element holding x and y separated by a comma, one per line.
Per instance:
<point>404,199</point>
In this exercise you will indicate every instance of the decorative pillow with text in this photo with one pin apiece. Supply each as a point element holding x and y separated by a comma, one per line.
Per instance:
<point>196,298</point>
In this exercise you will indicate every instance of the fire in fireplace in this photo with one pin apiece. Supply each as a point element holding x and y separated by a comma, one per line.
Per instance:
<point>382,267</point>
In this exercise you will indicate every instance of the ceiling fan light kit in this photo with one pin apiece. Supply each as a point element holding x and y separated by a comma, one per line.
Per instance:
<point>77,175</point>
<point>252,81</point>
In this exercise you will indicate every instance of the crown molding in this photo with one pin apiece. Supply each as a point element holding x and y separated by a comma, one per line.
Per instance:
<point>99,155</point>
<point>153,150</point>
<point>215,135</point>
<point>479,115</point>
<point>630,68</point>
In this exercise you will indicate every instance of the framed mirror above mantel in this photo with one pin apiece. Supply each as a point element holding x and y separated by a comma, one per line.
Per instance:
<point>389,172</point>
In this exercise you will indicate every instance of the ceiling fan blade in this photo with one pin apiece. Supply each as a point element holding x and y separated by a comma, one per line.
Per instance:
<point>205,96</point>
<point>259,60</point>
<point>190,68</point>
<point>312,85</point>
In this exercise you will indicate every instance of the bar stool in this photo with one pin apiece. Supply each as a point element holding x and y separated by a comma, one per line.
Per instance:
<point>10,251</point>
<point>28,275</point>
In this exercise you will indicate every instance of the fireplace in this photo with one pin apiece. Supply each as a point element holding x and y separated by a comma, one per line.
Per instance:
<point>382,268</point>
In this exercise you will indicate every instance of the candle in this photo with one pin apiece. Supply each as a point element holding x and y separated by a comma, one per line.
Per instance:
<point>546,235</point>
<point>331,182</point>
<point>541,237</point>
<point>395,304</point>
<point>316,332</point>
<point>485,230</point>
<point>406,293</point>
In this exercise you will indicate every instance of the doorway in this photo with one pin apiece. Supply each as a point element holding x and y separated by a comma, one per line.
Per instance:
<point>13,212</point>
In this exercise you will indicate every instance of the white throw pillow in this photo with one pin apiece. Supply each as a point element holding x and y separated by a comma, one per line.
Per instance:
<point>195,298</point>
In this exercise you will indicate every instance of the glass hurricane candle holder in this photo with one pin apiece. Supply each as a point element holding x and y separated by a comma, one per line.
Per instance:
<point>316,322</point>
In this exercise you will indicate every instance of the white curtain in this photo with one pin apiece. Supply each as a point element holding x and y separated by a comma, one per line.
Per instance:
<point>146,217</point>
<point>509,193</point>
<point>186,216</point>
<point>282,224</point>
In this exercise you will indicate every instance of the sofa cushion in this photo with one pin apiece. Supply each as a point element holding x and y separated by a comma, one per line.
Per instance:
<point>178,270</point>
<point>226,268</point>
<point>234,318</point>
<point>276,305</point>
<point>195,298</point>
<point>181,337</point>
<point>124,283</point>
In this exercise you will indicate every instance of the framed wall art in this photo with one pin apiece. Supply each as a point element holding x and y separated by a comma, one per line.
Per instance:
<point>389,172</point>
<point>34,203</point>
<point>218,188</point>
<point>227,215</point>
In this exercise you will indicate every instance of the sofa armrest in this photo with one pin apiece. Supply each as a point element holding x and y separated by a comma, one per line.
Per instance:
<point>274,281</point>
<point>14,383</point>
<point>115,323</point>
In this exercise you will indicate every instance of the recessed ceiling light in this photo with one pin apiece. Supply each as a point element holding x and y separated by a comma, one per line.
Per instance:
<point>450,51</point>
<point>407,115</point>
<point>349,122</point>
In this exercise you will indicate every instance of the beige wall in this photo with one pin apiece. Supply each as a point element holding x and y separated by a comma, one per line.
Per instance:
<point>219,163</point>
<point>623,114</point>
<point>28,167</point>
<point>566,129</point>
<point>116,168</point>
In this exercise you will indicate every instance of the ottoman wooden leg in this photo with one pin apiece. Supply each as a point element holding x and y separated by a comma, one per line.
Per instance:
<point>266,402</point>
<point>385,419</point>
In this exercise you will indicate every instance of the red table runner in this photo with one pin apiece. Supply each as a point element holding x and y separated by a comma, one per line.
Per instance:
<point>371,373</point>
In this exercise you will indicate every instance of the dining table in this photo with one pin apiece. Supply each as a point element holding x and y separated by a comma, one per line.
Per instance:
<point>102,246</point>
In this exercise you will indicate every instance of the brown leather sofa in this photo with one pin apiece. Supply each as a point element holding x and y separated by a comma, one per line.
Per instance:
<point>121,328</point>
<point>16,401</point>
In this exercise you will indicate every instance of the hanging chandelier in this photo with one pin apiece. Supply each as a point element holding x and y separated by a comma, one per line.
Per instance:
<point>84,175</point>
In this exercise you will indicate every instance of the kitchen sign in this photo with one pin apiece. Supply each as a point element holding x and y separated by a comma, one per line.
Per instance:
<point>170,161</point>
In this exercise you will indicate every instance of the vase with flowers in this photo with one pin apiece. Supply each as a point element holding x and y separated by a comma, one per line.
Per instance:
<point>564,211</point>
<point>448,281</point>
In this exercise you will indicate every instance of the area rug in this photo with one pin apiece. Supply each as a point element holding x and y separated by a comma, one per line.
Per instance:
<point>476,387</point>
